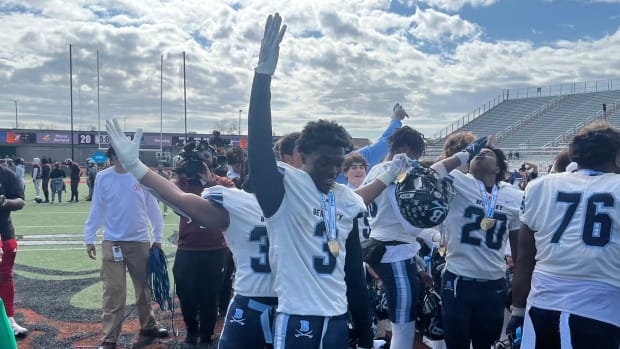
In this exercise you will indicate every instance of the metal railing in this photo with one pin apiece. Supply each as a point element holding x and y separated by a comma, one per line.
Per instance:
<point>499,136</point>
<point>562,139</point>
<point>529,92</point>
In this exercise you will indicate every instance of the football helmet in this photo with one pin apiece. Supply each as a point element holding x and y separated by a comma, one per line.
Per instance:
<point>422,196</point>
<point>429,315</point>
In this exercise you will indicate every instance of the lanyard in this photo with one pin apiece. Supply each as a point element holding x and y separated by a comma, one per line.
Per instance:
<point>329,215</point>
<point>489,205</point>
<point>588,172</point>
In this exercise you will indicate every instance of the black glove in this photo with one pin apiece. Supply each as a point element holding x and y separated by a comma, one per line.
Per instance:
<point>514,323</point>
<point>474,148</point>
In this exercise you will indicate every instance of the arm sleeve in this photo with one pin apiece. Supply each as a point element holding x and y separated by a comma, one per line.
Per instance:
<point>357,292</point>
<point>267,181</point>
<point>157,221</point>
<point>375,153</point>
<point>95,217</point>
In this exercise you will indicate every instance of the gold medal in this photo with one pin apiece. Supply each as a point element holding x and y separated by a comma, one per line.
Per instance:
<point>401,176</point>
<point>487,223</point>
<point>442,251</point>
<point>333,247</point>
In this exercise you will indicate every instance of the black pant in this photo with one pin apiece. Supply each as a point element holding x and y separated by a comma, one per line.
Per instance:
<point>45,186</point>
<point>199,276</point>
<point>74,189</point>
<point>229,275</point>
<point>472,310</point>
<point>584,333</point>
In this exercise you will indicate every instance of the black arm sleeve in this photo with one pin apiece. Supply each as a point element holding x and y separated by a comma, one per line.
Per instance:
<point>267,181</point>
<point>357,291</point>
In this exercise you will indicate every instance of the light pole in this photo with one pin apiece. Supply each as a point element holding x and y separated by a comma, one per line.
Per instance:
<point>239,129</point>
<point>16,123</point>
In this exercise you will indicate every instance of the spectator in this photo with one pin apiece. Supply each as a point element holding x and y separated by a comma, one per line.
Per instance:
<point>11,199</point>
<point>57,177</point>
<point>199,289</point>
<point>46,169</point>
<point>122,206</point>
<point>91,174</point>
<point>237,159</point>
<point>20,171</point>
<point>36,178</point>
<point>162,172</point>
<point>75,173</point>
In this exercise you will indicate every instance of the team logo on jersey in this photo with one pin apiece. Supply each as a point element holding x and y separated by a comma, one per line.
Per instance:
<point>304,330</point>
<point>238,317</point>
<point>448,286</point>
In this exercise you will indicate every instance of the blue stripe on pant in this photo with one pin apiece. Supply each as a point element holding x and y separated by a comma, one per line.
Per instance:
<point>402,287</point>
<point>311,332</point>
<point>472,310</point>
<point>247,324</point>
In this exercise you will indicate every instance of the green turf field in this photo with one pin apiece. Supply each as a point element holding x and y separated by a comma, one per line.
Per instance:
<point>50,240</point>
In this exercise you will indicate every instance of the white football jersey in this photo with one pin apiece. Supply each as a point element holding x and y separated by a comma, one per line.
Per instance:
<point>309,279</point>
<point>473,252</point>
<point>247,239</point>
<point>576,222</point>
<point>386,222</point>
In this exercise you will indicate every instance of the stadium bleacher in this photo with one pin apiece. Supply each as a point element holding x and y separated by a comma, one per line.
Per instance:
<point>538,127</point>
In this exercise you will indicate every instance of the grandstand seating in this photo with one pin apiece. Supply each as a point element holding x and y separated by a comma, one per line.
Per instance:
<point>539,122</point>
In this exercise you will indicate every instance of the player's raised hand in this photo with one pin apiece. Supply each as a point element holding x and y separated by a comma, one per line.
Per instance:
<point>127,151</point>
<point>398,112</point>
<point>270,45</point>
<point>474,148</point>
<point>395,167</point>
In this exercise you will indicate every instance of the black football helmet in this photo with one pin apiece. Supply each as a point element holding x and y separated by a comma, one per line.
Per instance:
<point>422,196</point>
<point>429,315</point>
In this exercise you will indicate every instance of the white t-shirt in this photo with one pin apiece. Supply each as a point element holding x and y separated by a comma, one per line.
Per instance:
<point>124,208</point>
<point>247,239</point>
<point>473,252</point>
<point>309,279</point>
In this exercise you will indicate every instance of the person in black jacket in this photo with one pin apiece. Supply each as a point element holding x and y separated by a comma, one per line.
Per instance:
<point>57,177</point>
<point>75,173</point>
<point>46,169</point>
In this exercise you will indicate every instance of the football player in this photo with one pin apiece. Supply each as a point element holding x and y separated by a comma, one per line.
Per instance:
<point>310,219</point>
<point>388,229</point>
<point>483,213</point>
<point>237,214</point>
<point>569,245</point>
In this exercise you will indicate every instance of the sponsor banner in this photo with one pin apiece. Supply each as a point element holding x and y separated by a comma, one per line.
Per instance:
<point>156,140</point>
<point>17,137</point>
<point>53,138</point>
<point>180,141</point>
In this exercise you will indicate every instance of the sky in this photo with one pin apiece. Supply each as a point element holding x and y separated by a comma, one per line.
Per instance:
<point>348,61</point>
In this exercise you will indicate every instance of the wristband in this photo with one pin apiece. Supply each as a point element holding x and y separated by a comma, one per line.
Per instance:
<point>517,311</point>
<point>137,169</point>
<point>386,177</point>
<point>463,157</point>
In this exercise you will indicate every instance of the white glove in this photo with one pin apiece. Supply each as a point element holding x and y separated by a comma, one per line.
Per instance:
<point>127,152</point>
<point>397,165</point>
<point>270,45</point>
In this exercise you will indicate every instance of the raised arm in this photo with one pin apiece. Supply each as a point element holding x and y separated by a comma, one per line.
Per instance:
<point>266,181</point>
<point>445,166</point>
<point>198,209</point>
<point>376,152</point>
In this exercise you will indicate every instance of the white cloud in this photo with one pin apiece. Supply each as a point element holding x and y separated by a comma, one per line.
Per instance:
<point>347,61</point>
<point>455,5</point>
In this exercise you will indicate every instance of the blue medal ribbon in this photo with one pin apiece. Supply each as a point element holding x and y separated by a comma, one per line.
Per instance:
<point>489,205</point>
<point>329,216</point>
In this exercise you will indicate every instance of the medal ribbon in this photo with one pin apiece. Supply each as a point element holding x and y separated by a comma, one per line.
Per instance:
<point>489,205</point>
<point>329,216</point>
<point>588,172</point>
